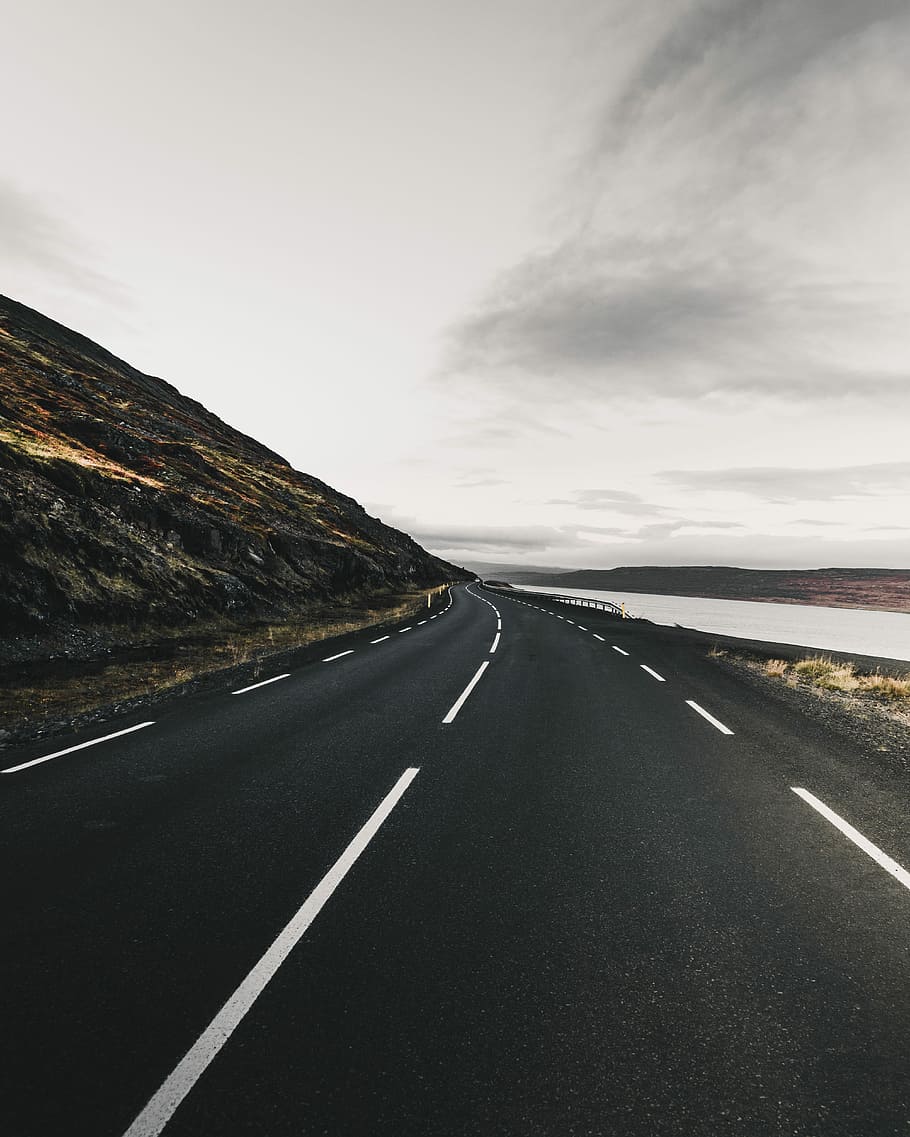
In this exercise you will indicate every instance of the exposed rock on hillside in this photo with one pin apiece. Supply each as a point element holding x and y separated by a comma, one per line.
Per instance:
<point>122,502</point>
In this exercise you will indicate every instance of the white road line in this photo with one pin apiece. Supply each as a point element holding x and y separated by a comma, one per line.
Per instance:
<point>495,643</point>
<point>460,701</point>
<point>419,622</point>
<point>597,637</point>
<point>580,628</point>
<point>650,671</point>
<point>72,749</point>
<point>711,719</point>
<point>331,658</point>
<point>162,1106</point>
<point>570,622</point>
<point>619,649</point>
<point>880,858</point>
<point>402,630</point>
<point>499,625</point>
<point>264,683</point>
<point>434,617</point>
<point>381,640</point>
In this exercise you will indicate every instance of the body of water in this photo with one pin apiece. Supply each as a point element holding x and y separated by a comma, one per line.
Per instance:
<point>832,629</point>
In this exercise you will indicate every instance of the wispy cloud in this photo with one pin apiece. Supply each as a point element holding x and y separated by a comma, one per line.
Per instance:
<point>609,501</point>
<point>33,239</point>
<point>789,484</point>
<point>478,483</point>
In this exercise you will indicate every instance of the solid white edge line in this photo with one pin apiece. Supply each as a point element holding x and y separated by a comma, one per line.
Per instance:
<point>72,749</point>
<point>495,643</point>
<point>619,649</point>
<point>264,683</point>
<point>381,639</point>
<point>651,671</point>
<point>890,866</point>
<point>462,698</point>
<point>164,1103</point>
<point>350,651</point>
<point>706,715</point>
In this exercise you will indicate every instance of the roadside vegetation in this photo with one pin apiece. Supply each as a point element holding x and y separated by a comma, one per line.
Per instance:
<point>832,675</point>
<point>872,704</point>
<point>86,691</point>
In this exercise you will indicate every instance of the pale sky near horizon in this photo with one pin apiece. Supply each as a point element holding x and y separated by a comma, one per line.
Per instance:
<point>566,282</point>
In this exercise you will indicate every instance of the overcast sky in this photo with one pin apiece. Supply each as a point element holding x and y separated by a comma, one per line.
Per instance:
<point>567,282</point>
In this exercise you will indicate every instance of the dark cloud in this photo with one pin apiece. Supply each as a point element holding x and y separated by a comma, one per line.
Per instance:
<point>781,484</point>
<point>694,267</point>
<point>666,323</point>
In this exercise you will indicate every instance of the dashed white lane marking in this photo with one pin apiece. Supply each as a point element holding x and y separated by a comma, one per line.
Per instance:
<point>79,746</point>
<point>619,649</point>
<point>652,672</point>
<point>873,851</point>
<point>162,1106</point>
<point>462,698</point>
<point>570,622</point>
<point>597,637</point>
<point>264,683</point>
<point>495,643</point>
<point>711,719</point>
<point>580,628</point>
<point>401,631</point>
<point>499,625</point>
<point>331,658</point>
<point>381,639</point>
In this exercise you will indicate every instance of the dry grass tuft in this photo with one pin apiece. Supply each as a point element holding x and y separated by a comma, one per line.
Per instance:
<point>826,674</point>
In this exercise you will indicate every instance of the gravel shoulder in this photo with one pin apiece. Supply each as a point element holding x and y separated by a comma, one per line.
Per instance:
<point>874,728</point>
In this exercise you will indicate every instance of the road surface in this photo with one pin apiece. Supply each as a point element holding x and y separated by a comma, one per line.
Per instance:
<point>514,869</point>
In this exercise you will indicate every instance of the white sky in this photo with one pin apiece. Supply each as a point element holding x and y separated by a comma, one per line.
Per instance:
<point>563,282</point>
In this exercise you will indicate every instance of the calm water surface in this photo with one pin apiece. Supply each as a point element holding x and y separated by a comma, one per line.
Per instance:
<point>834,629</point>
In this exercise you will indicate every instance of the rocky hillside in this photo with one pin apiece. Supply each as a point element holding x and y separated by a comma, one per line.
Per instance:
<point>125,504</point>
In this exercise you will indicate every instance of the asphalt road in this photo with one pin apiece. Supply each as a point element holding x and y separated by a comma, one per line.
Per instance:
<point>353,901</point>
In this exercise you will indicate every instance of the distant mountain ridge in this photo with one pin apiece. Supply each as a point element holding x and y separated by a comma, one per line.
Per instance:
<point>124,502</point>
<point>885,589</point>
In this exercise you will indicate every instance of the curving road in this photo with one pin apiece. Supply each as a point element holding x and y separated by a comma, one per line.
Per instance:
<point>512,869</point>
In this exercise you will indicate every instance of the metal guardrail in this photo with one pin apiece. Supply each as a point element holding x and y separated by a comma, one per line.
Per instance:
<point>574,601</point>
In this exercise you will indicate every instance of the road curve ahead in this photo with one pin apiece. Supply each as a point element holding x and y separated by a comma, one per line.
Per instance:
<point>511,868</point>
